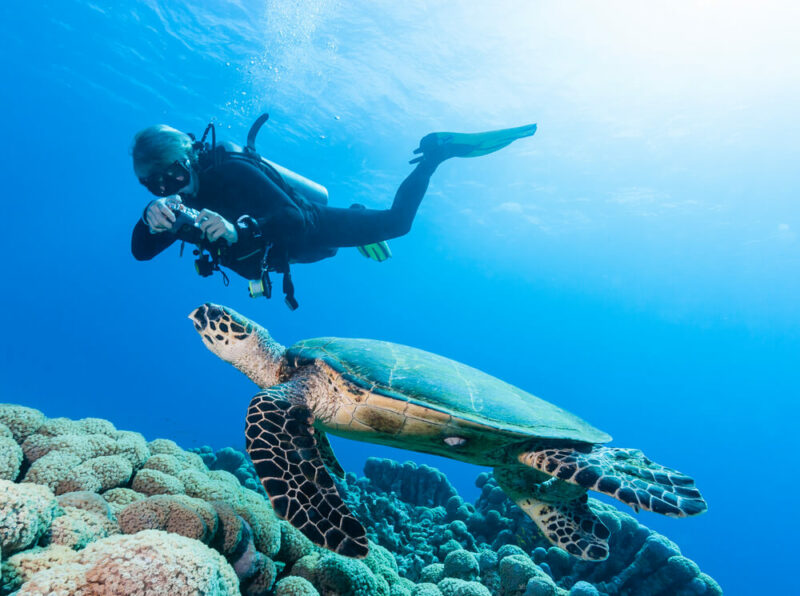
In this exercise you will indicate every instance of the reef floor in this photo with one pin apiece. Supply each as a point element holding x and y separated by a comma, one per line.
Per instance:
<point>87,509</point>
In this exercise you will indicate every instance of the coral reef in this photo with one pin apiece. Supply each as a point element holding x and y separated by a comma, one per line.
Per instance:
<point>86,508</point>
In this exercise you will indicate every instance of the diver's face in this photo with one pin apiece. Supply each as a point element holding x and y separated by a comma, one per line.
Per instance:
<point>170,180</point>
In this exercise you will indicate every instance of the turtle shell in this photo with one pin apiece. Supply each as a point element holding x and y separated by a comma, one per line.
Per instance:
<point>412,375</point>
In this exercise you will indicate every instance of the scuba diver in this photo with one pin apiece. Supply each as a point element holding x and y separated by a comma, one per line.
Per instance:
<point>253,216</point>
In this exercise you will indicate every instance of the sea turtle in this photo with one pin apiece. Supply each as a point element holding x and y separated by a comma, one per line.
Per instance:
<point>544,458</point>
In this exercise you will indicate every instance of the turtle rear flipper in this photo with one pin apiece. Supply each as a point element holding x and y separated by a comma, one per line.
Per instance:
<point>560,510</point>
<point>282,446</point>
<point>570,525</point>
<point>625,474</point>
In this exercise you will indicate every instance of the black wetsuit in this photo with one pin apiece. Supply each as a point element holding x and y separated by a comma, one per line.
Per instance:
<point>298,231</point>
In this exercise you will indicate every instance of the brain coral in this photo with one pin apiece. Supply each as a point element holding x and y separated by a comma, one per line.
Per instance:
<point>21,421</point>
<point>10,455</point>
<point>143,564</point>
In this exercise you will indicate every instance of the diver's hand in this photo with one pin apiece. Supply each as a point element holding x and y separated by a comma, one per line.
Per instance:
<point>214,227</point>
<point>158,217</point>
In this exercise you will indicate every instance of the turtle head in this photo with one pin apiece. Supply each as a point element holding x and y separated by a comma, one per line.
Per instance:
<point>239,341</point>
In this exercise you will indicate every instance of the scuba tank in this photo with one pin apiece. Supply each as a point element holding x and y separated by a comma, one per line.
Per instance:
<point>291,182</point>
<point>308,189</point>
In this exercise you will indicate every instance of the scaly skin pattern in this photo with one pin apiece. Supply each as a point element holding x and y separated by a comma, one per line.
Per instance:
<point>281,444</point>
<point>625,474</point>
<point>546,476</point>
<point>560,509</point>
<point>239,341</point>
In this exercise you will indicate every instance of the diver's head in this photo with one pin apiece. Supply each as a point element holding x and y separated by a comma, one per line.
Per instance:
<point>163,159</point>
<point>239,341</point>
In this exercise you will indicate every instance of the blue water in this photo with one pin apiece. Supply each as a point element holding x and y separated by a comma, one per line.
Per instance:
<point>636,262</point>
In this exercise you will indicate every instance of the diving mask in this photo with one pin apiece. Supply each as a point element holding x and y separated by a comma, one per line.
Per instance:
<point>169,181</point>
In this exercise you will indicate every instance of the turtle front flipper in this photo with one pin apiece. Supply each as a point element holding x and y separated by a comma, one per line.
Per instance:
<point>282,446</point>
<point>625,474</point>
<point>561,511</point>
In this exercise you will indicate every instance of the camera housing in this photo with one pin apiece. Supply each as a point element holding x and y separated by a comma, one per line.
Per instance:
<point>185,226</point>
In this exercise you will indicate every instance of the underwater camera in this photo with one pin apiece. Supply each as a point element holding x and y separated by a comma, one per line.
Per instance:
<point>185,221</point>
<point>186,229</point>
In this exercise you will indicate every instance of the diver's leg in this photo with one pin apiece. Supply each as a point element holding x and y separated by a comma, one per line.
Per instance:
<point>408,197</point>
<point>358,227</point>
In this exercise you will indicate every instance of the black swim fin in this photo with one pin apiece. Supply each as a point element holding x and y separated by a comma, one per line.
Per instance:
<point>444,145</point>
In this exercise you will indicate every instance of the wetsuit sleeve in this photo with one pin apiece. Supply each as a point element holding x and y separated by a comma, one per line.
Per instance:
<point>145,245</point>
<point>277,216</point>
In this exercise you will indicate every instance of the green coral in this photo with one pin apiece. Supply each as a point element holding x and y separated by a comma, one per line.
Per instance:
<point>336,574</point>
<point>28,510</point>
<point>84,446</point>
<point>164,462</point>
<point>76,528</point>
<point>294,545</point>
<point>132,446</point>
<point>87,517</point>
<point>51,469</point>
<point>252,507</point>
<point>10,455</point>
<point>119,498</point>
<point>433,573</point>
<point>97,474</point>
<point>21,421</point>
<point>295,586</point>
<point>426,589</point>
<point>515,572</point>
<point>154,482</point>
<point>168,447</point>
<point>458,587</point>
<point>461,564</point>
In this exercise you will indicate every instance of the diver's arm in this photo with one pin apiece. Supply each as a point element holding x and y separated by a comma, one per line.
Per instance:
<point>145,245</point>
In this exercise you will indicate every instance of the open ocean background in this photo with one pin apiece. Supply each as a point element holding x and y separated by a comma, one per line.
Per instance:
<point>635,262</point>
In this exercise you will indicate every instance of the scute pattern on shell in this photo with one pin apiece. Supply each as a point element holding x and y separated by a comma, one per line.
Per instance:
<point>430,380</point>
